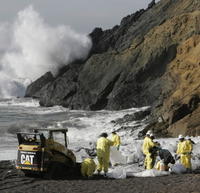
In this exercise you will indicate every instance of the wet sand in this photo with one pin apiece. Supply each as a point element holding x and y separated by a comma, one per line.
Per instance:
<point>11,181</point>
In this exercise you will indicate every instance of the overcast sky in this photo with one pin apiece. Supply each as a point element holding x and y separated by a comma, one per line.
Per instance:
<point>81,15</point>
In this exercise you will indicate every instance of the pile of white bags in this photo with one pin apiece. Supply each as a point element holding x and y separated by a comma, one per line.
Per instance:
<point>116,157</point>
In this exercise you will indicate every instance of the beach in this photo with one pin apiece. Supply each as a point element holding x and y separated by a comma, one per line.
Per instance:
<point>15,182</point>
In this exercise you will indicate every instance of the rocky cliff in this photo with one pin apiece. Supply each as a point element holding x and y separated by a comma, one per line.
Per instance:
<point>152,58</point>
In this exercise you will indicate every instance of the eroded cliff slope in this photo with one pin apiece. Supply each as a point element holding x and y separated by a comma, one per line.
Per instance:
<point>151,58</point>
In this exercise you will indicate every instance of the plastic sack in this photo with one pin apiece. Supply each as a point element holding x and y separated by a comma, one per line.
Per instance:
<point>116,157</point>
<point>150,173</point>
<point>195,163</point>
<point>117,173</point>
<point>178,169</point>
<point>130,159</point>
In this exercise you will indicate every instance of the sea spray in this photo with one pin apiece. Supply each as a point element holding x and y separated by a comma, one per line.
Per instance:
<point>30,47</point>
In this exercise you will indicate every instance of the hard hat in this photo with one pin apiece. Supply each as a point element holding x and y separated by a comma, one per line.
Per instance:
<point>149,132</point>
<point>180,137</point>
<point>187,137</point>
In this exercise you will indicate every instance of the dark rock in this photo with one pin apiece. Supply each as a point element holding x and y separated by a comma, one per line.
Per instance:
<point>36,86</point>
<point>141,114</point>
<point>179,113</point>
<point>61,91</point>
<point>193,102</point>
<point>159,129</point>
<point>102,99</point>
<point>137,116</point>
<point>153,3</point>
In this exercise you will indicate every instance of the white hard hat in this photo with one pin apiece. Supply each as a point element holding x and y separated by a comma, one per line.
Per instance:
<point>187,137</point>
<point>149,132</point>
<point>180,137</point>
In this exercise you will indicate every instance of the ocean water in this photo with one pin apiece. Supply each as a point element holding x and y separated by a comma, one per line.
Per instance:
<point>19,114</point>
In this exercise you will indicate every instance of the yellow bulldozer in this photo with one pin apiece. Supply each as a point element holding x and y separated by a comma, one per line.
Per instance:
<point>45,152</point>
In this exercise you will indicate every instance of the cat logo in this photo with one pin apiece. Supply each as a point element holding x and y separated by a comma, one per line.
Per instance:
<point>27,159</point>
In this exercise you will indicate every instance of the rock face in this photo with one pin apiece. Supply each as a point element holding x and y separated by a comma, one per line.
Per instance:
<point>152,58</point>
<point>34,88</point>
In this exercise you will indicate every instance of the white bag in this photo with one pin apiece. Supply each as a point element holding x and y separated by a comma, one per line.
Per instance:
<point>116,157</point>
<point>118,173</point>
<point>178,169</point>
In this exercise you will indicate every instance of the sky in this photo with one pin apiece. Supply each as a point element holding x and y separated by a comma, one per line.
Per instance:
<point>82,15</point>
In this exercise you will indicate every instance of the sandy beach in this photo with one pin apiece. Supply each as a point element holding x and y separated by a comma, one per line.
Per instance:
<point>11,181</point>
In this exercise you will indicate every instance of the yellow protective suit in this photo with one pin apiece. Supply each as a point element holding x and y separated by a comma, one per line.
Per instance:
<point>103,153</point>
<point>184,150</point>
<point>88,167</point>
<point>189,145</point>
<point>147,145</point>
<point>116,140</point>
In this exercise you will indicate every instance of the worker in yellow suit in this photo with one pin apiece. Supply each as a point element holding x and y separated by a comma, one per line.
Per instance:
<point>148,144</point>
<point>88,167</point>
<point>184,150</point>
<point>189,148</point>
<point>103,153</point>
<point>116,139</point>
<point>189,143</point>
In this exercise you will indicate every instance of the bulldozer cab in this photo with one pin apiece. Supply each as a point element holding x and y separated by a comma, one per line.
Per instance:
<point>40,136</point>
<point>56,135</point>
<point>31,139</point>
<point>42,147</point>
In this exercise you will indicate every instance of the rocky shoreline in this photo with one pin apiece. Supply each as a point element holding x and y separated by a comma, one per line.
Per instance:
<point>12,181</point>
